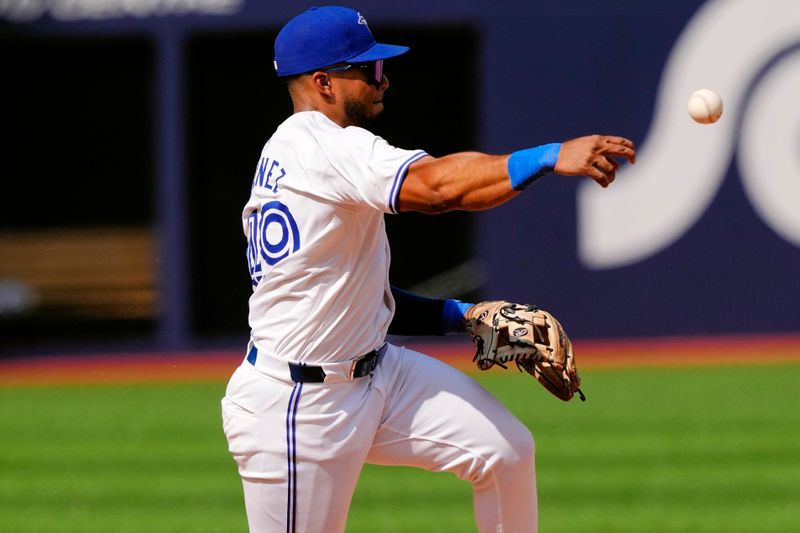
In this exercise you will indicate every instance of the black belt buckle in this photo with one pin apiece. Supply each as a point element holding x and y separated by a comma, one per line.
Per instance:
<point>363,366</point>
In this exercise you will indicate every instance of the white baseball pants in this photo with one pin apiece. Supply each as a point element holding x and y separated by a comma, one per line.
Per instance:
<point>301,446</point>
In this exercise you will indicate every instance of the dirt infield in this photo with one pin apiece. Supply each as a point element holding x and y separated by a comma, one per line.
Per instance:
<point>218,365</point>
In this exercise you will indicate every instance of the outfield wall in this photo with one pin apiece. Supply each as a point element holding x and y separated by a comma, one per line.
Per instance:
<point>700,237</point>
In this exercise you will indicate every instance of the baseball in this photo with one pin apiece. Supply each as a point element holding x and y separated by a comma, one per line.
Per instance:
<point>705,106</point>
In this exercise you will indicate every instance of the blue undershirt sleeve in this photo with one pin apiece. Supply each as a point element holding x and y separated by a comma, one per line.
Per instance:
<point>453,312</point>
<point>418,315</point>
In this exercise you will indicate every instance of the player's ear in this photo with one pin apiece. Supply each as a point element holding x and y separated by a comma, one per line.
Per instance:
<point>322,82</point>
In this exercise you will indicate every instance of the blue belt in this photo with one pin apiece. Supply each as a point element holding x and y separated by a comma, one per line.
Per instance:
<point>302,373</point>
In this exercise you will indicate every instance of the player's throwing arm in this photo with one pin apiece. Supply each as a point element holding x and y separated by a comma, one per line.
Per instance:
<point>473,181</point>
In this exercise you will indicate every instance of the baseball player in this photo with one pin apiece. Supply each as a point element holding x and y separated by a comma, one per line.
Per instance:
<point>320,392</point>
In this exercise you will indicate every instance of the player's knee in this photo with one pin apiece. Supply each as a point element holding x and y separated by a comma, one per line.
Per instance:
<point>520,447</point>
<point>513,451</point>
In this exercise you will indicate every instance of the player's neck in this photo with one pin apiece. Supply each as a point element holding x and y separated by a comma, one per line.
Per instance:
<point>333,113</point>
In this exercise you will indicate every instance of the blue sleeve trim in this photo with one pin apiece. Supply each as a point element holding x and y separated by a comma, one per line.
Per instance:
<point>400,176</point>
<point>525,166</point>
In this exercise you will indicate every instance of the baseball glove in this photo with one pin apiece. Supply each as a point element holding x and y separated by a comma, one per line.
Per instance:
<point>533,339</point>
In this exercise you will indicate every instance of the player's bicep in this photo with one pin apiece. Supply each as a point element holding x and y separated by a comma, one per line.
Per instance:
<point>420,190</point>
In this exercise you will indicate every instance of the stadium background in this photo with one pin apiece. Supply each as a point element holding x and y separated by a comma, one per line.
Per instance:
<point>131,132</point>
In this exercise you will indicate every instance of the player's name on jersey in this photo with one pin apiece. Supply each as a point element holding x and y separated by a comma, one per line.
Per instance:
<point>268,173</point>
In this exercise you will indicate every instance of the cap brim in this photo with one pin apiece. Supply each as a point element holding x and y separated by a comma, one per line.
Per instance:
<point>379,51</point>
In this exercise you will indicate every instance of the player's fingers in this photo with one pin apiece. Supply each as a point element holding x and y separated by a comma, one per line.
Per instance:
<point>610,177</point>
<point>612,139</point>
<point>627,153</point>
<point>605,165</point>
<point>620,147</point>
<point>617,150</point>
<point>599,176</point>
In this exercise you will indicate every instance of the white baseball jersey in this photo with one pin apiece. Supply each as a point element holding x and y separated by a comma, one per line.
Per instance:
<point>317,247</point>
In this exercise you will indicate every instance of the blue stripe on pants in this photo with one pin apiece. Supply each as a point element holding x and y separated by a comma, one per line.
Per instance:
<point>291,457</point>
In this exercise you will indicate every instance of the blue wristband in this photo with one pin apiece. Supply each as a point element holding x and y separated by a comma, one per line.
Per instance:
<point>453,319</point>
<point>525,166</point>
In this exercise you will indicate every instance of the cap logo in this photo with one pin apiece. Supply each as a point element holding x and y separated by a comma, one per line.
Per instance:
<point>362,20</point>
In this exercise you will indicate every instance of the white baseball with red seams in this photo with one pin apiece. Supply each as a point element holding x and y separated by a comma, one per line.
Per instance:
<point>705,106</point>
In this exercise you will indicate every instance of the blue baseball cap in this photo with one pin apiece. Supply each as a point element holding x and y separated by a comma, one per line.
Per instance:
<point>324,36</point>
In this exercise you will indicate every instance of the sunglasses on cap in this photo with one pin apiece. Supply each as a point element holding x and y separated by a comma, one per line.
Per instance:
<point>373,69</point>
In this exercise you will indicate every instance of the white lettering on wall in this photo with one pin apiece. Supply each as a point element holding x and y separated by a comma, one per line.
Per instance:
<point>769,148</point>
<point>681,165</point>
<point>73,10</point>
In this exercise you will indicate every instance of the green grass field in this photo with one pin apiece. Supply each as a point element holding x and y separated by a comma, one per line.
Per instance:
<point>652,450</point>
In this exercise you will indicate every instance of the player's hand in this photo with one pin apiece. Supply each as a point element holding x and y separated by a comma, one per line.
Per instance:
<point>593,156</point>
